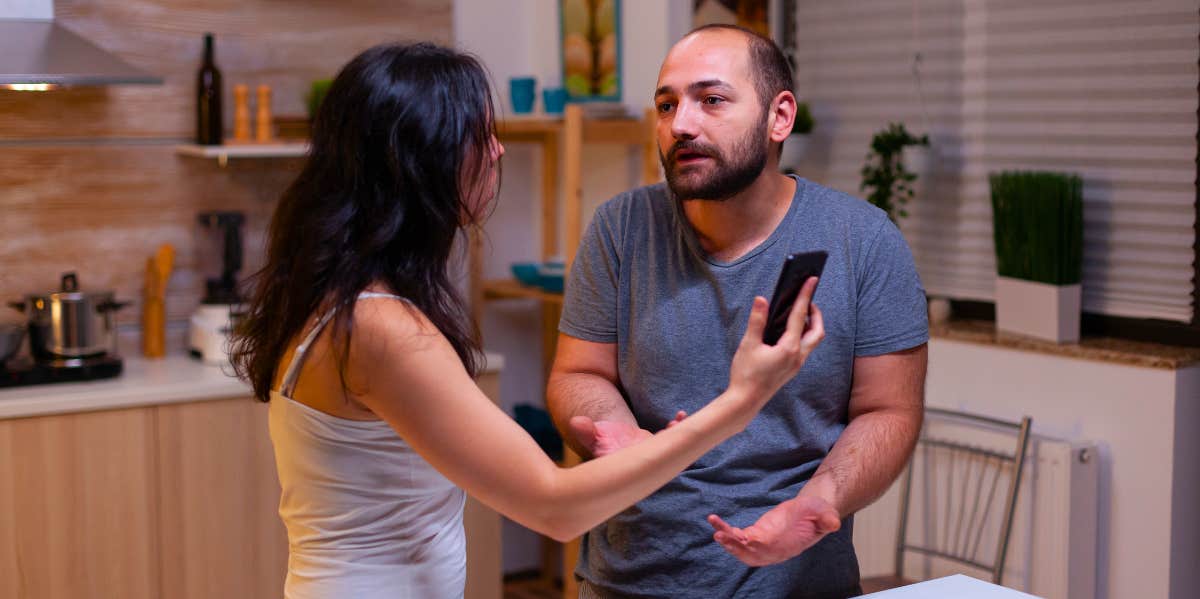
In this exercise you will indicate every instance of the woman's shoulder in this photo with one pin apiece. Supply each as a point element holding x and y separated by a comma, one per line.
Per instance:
<point>380,314</point>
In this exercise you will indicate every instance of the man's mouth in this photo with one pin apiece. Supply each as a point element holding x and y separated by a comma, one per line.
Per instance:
<point>683,157</point>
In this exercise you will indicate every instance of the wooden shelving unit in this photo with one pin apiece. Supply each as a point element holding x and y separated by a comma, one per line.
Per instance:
<point>560,139</point>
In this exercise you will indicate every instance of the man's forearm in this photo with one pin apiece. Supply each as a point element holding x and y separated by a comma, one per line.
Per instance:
<point>584,394</point>
<point>865,460</point>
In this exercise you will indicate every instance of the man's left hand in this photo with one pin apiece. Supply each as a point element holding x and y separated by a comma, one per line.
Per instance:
<point>780,534</point>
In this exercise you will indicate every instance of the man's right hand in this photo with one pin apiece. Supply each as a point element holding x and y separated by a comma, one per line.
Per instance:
<point>602,437</point>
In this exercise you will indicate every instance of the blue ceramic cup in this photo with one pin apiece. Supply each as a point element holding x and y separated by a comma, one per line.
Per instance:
<point>553,100</point>
<point>521,92</point>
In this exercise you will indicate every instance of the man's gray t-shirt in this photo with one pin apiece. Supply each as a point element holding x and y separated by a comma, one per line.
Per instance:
<point>677,317</point>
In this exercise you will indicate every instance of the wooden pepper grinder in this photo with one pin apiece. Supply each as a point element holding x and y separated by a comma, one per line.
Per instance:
<point>154,297</point>
<point>263,119</point>
<point>241,113</point>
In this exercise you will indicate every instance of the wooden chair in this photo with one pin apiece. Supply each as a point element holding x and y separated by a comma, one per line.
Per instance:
<point>968,493</point>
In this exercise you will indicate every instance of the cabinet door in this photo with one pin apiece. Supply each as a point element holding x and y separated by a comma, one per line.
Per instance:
<point>482,526</point>
<point>221,535</point>
<point>77,506</point>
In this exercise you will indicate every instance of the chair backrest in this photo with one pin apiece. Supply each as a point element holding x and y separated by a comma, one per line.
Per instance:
<point>968,489</point>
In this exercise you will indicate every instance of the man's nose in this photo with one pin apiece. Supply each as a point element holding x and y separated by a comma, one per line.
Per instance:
<point>685,122</point>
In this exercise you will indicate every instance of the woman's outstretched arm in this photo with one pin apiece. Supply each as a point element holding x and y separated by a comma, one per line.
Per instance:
<point>408,374</point>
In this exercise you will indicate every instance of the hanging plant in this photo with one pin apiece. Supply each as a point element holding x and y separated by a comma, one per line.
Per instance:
<point>887,183</point>
<point>803,123</point>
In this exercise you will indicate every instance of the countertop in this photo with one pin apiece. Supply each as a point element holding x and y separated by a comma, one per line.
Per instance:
<point>1104,349</point>
<point>143,382</point>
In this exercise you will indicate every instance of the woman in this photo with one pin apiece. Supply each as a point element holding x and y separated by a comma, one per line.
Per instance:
<point>357,337</point>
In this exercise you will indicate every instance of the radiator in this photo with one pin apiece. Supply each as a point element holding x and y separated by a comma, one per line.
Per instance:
<point>1052,551</point>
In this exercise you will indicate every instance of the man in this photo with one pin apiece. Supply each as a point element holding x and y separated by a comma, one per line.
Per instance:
<point>656,302</point>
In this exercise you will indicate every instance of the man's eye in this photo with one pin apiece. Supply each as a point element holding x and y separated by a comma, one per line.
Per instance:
<point>665,107</point>
<point>713,100</point>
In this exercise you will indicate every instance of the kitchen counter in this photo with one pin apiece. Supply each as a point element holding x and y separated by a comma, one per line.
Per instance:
<point>1100,349</point>
<point>174,379</point>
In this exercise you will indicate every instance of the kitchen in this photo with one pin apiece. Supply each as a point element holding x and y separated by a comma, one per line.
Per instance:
<point>122,486</point>
<point>159,481</point>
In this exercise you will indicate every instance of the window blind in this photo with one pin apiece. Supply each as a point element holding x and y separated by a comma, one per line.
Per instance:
<point>1102,88</point>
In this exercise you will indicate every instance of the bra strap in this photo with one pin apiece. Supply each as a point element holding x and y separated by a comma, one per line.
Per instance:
<point>288,384</point>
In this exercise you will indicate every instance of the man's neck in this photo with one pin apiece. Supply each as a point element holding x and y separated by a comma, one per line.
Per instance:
<point>728,229</point>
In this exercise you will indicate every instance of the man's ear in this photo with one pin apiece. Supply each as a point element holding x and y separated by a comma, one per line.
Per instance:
<point>783,114</point>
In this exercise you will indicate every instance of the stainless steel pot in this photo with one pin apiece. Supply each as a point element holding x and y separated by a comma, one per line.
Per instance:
<point>70,323</point>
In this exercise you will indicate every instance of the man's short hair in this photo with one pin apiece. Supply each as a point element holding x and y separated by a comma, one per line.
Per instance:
<point>769,67</point>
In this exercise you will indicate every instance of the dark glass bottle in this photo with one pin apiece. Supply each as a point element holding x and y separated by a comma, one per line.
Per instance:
<point>208,99</point>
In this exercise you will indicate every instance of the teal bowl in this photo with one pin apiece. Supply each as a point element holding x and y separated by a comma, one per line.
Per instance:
<point>526,273</point>
<point>550,275</point>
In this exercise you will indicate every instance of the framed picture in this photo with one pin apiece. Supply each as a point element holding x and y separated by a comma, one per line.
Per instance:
<point>751,14</point>
<point>591,49</point>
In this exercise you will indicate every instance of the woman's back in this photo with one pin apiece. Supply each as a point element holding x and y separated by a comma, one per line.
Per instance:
<point>366,516</point>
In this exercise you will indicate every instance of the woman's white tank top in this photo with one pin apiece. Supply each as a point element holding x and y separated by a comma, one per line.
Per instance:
<point>366,516</point>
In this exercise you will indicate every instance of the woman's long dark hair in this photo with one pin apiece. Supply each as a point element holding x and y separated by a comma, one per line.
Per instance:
<point>398,145</point>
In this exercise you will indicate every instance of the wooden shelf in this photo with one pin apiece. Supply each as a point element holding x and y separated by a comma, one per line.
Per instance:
<point>514,129</point>
<point>597,131</point>
<point>511,289</point>
<point>223,153</point>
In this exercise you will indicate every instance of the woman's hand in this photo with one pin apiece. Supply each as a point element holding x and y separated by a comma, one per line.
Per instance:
<point>759,370</point>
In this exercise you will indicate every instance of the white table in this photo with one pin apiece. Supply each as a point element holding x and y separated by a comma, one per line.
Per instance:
<point>957,586</point>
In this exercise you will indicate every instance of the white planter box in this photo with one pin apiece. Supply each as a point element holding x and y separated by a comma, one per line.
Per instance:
<point>1049,312</point>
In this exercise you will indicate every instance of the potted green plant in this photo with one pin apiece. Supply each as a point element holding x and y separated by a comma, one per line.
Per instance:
<point>797,141</point>
<point>1037,223</point>
<point>887,183</point>
<point>316,93</point>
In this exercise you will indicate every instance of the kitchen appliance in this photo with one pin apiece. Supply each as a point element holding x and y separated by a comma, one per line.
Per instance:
<point>220,249</point>
<point>37,53</point>
<point>72,337</point>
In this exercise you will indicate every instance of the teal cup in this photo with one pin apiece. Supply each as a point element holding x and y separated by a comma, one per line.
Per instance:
<point>554,99</point>
<point>521,91</point>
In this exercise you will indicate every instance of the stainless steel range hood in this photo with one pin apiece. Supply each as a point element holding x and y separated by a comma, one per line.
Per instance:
<point>37,53</point>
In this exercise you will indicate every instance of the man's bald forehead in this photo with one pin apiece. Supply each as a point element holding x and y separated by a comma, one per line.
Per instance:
<point>734,47</point>
<point>764,62</point>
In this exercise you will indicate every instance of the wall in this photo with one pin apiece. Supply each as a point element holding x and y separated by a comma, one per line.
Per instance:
<point>89,179</point>
<point>1144,420</point>
<point>1185,497</point>
<point>528,46</point>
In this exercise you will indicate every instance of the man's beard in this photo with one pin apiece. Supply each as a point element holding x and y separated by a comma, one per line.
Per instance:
<point>728,177</point>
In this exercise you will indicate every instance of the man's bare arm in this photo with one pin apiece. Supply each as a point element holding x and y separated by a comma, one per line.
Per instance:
<point>887,405</point>
<point>886,410</point>
<point>584,383</point>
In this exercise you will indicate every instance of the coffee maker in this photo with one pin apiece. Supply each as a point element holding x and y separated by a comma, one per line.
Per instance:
<point>220,255</point>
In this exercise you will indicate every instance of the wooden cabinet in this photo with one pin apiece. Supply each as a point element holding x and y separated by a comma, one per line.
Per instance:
<point>170,501</point>
<point>77,507</point>
<point>218,498</point>
<point>175,501</point>
<point>482,524</point>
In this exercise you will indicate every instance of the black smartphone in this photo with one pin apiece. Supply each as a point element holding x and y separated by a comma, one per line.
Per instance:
<point>797,269</point>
